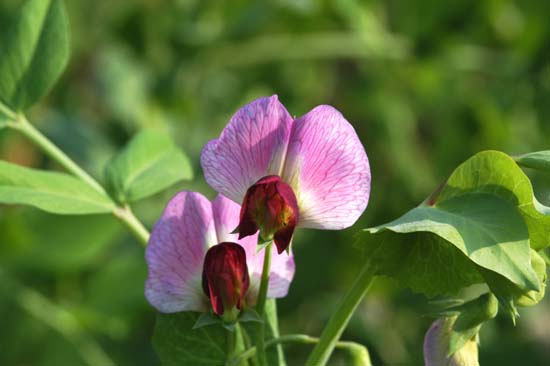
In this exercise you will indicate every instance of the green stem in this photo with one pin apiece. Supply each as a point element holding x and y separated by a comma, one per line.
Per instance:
<point>231,342</point>
<point>262,294</point>
<point>260,306</point>
<point>55,153</point>
<point>339,320</point>
<point>127,217</point>
<point>123,213</point>
<point>292,338</point>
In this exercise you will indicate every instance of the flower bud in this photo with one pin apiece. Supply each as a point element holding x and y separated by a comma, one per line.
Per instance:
<point>437,343</point>
<point>532,297</point>
<point>225,279</point>
<point>271,207</point>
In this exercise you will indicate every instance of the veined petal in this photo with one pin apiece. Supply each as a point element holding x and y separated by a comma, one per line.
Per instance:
<point>176,252</point>
<point>250,147</point>
<point>226,215</point>
<point>328,169</point>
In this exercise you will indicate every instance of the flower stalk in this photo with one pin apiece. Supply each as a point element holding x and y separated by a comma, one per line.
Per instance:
<point>260,306</point>
<point>339,320</point>
<point>352,347</point>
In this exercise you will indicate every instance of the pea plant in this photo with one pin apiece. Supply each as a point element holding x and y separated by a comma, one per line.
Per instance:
<point>217,267</point>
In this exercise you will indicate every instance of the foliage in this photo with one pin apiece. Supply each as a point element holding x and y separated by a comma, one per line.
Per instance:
<point>53,192</point>
<point>150,163</point>
<point>426,85</point>
<point>35,50</point>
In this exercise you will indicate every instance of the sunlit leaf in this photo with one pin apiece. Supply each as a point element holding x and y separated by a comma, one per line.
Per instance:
<point>496,173</point>
<point>147,165</point>
<point>430,247</point>
<point>53,192</point>
<point>34,49</point>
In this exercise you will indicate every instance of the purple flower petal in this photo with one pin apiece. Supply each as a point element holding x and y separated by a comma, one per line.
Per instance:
<point>175,254</point>
<point>226,214</point>
<point>250,147</point>
<point>328,168</point>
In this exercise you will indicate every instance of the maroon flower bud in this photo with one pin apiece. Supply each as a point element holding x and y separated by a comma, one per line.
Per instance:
<point>225,278</point>
<point>271,207</point>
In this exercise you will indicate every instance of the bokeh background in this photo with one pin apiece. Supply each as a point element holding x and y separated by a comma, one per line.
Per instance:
<point>425,83</point>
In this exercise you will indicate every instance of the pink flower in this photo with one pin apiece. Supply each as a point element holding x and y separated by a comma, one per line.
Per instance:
<point>190,227</point>
<point>318,156</point>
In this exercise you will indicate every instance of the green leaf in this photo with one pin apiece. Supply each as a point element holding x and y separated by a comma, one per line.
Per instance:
<point>539,160</point>
<point>177,343</point>
<point>206,319</point>
<point>53,192</point>
<point>147,165</point>
<point>34,49</point>
<point>249,315</point>
<point>496,173</point>
<point>440,249</point>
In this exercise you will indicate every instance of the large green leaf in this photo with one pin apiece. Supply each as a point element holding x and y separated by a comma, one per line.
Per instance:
<point>34,49</point>
<point>496,173</point>
<point>539,160</point>
<point>177,343</point>
<point>49,191</point>
<point>147,165</point>
<point>448,243</point>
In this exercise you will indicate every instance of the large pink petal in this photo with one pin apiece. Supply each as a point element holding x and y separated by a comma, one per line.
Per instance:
<point>175,254</point>
<point>250,147</point>
<point>226,216</point>
<point>328,169</point>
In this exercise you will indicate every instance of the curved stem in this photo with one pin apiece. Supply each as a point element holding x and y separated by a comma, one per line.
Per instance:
<point>55,153</point>
<point>123,213</point>
<point>294,338</point>
<point>339,320</point>
<point>260,306</point>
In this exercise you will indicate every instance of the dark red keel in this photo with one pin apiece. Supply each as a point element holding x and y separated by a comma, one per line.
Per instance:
<point>269,206</point>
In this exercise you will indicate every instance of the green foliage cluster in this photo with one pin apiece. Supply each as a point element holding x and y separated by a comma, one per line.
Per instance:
<point>426,85</point>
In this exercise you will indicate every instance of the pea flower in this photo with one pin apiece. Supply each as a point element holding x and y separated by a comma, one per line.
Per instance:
<point>196,263</point>
<point>436,346</point>
<point>309,172</point>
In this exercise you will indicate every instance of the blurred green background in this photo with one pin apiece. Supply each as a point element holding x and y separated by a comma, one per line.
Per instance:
<point>426,85</point>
